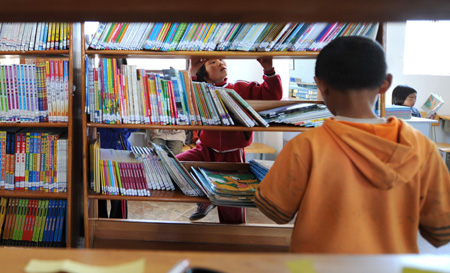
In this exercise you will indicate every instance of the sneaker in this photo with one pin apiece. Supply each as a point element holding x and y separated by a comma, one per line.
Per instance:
<point>202,210</point>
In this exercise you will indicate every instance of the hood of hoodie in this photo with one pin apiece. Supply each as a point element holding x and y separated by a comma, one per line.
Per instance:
<point>386,154</point>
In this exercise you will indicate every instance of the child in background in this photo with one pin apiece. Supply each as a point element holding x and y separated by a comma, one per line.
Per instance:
<point>173,139</point>
<point>228,146</point>
<point>406,96</point>
<point>359,184</point>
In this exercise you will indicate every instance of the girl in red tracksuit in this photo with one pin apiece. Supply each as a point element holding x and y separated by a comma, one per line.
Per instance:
<point>228,146</point>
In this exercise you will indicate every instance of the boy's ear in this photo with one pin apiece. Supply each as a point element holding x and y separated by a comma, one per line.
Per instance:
<point>321,86</point>
<point>386,84</point>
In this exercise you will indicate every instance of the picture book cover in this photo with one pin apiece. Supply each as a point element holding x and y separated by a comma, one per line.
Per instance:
<point>432,104</point>
<point>231,181</point>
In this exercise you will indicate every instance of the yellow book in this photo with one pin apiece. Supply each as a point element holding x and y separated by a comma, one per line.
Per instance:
<point>57,28</point>
<point>2,213</point>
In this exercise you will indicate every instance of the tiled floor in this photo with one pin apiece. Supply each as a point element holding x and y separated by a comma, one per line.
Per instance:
<point>181,211</point>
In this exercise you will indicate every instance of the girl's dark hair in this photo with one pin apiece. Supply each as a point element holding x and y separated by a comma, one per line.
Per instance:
<point>400,93</point>
<point>202,74</point>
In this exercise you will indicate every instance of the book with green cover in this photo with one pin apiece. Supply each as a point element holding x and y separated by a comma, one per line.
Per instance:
<point>237,182</point>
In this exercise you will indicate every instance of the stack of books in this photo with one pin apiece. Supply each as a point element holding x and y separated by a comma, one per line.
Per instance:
<point>227,188</point>
<point>172,36</point>
<point>399,111</point>
<point>260,167</point>
<point>300,114</point>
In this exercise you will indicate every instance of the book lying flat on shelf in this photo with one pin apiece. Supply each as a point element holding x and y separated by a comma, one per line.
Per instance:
<point>432,104</point>
<point>227,188</point>
<point>301,114</point>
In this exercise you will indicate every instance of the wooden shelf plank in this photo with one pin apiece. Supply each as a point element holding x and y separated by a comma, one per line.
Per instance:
<point>35,125</point>
<point>34,53</point>
<point>225,11</point>
<point>272,128</point>
<point>33,194</point>
<point>156,196</point>
<point>205,54</point>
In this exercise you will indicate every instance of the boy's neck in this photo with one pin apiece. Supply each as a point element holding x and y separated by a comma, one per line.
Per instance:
<point>355,104</point>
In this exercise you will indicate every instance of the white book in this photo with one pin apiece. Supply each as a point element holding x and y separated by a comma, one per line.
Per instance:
<point>234,108</point>
<point>100,44</point>
<point>126,41</point>
<point>33,36</point>
<point>139,35</point>
<point>37,36</point>
<point>35,93</point>
<point>144,37</point>
<point>219,106</point>
<point>133,34</point>
<point>96,38</point>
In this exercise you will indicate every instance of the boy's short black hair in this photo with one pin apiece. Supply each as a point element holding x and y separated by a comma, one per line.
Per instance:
<point>400,93</point>
<point>352,63</point>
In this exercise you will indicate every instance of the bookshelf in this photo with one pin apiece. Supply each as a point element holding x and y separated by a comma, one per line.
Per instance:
<point>103,230</point>
<point>28,57</point>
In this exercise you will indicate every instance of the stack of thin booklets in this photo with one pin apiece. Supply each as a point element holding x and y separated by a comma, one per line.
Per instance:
<point>399,111</point>
<point>228,188</point>
<point>300,114</point>
<point>156,174</point>
<point>260,167</point>
<point>177,171</point>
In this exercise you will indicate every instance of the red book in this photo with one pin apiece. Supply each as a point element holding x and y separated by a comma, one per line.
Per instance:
<point>34,205</point>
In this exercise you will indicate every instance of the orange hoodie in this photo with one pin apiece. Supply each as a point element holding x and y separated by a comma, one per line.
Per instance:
<point>359,188</point>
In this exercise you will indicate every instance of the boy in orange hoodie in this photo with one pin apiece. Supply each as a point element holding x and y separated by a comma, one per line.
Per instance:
<point>358,184</point>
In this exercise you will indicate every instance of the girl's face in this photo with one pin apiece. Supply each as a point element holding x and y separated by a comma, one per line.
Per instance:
<point>216,69</point>
<point>410,100</point>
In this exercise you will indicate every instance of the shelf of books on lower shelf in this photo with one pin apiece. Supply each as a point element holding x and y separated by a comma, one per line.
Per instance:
<point>155,174</point>
<point>32,222</point>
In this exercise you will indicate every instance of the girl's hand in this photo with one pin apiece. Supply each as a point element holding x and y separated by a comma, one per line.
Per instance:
<point>195,64</point>
<point>266,63</point>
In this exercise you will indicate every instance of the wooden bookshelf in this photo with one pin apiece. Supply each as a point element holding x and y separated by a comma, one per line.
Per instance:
<point>96,228</point>
<point>68,126</point>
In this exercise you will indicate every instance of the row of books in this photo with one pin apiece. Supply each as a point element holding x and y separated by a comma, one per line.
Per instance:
<point>34,36</point>
<point>117,172</point>
<point>33,160</point>
<point>31,222</point>
<point>170,36</point>
<point>299,114</point>
<point>126,94</point>
<point>36,92</point>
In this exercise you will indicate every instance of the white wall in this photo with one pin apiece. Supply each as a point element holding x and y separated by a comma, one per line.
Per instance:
<point>424,84</point>
<point>251,70</point>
